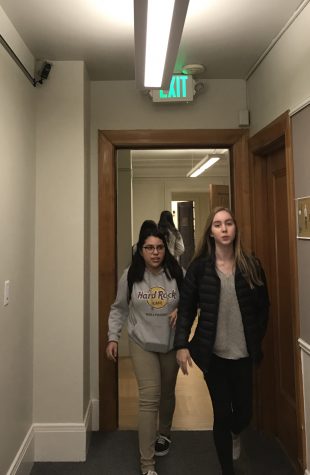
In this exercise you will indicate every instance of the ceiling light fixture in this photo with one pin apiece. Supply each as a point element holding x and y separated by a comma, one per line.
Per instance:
<point>203,165</point>
<point>158,30</point>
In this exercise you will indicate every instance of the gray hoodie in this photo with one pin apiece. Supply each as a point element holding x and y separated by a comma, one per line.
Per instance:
<point>146,312</point>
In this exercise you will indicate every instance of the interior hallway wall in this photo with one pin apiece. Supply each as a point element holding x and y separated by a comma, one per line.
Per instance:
<point>280,83</point>
<point>45,215</point>
<point>17,221</point>
<point>301,146</point>
<point>119,105</point>
<point>61,317</point>
<point>86,343</point>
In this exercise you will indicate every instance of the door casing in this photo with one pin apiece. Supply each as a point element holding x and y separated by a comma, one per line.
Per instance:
<point>109,141</point>
<point>275,135</point>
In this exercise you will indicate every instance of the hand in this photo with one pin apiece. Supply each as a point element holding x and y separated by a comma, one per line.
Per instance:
<point>173,317</point>
<point>184,357</point>
<point>112,350</point>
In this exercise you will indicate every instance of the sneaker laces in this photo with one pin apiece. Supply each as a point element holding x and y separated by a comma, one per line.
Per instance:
<point>161,439</point>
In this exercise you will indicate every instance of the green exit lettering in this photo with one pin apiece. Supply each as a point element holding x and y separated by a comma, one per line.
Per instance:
<point>177,88</point>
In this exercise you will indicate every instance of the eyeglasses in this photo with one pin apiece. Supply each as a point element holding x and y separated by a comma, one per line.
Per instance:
<point>152,249</point>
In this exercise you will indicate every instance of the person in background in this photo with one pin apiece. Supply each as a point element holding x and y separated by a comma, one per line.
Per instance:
<point>172,235</point>
<point>147,298</point>
<point>227,287</point>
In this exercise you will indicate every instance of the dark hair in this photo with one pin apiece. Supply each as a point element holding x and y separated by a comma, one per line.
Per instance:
<point>166,224</point>
<point>170,265</point>
<point>246,263</point>
<point>148,224</point>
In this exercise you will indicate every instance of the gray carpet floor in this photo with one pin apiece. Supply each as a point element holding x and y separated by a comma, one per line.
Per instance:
<point>191,453</point>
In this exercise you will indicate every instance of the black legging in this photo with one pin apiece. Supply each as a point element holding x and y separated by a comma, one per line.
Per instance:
<point>230,387</point>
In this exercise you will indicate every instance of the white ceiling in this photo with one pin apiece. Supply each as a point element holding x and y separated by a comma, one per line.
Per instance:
<point>227,36</point>
<point>177,162</point>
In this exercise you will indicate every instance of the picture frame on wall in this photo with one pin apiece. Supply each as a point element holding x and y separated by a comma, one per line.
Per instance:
<point>303,217</point>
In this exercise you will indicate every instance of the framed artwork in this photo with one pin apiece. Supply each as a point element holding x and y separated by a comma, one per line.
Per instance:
<point>303,217</point>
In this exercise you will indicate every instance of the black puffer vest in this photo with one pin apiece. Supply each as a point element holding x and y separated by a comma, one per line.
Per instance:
<point>201,293</point>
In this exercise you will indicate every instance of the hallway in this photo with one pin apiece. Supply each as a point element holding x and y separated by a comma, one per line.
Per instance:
<point>193,405</point>
<point>116,453</point>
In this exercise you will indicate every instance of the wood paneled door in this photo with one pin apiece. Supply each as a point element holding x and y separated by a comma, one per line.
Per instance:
<point>274,242</point>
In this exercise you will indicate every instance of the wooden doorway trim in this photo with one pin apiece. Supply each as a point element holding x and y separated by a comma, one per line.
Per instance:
<point>109,141</point>
<point>276,134</point>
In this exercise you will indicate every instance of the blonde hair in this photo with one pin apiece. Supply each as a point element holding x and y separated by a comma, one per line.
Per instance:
<point>247,264</point>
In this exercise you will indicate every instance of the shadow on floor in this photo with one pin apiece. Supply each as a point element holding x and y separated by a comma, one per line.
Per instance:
<point>191,453</point>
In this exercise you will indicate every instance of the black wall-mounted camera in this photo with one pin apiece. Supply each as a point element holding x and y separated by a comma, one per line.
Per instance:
<point>43,72</point>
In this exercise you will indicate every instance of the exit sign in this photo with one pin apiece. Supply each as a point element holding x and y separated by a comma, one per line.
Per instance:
<point>181,90</point>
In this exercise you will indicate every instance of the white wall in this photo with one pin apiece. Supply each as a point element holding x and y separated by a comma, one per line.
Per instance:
<point>17,220</point>
<point>281,82</point>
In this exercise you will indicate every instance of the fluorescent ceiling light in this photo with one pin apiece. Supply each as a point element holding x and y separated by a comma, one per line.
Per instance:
<point>158,30</point>
<point>159,12</point>
<point>203,165</point>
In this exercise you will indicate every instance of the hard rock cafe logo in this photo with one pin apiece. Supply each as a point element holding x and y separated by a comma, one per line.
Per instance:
<point>157,297</point>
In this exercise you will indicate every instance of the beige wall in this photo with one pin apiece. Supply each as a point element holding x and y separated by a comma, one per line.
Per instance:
<point>17,221</point>
<point>44,192</point>
<point>45,253</point>
<point>86,357</point>
<point>118,105</point>
<point>301,144</point>
<point>59,251</point>
<point>15,41</point>
<point>202,208</point>
<point>152,195</point>
<point>281,82</point>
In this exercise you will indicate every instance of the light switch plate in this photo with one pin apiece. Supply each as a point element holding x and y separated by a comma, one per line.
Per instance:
<point>6,293</point>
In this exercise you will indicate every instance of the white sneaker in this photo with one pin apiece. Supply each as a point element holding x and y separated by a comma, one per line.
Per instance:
<point>236,446</point>
<point>150,472</point>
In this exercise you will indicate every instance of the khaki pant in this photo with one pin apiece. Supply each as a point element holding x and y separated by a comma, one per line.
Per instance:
<point>156,375</point>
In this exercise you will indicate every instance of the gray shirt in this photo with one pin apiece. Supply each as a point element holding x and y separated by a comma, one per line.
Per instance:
<point>230,340</point>
<point>146,312</point>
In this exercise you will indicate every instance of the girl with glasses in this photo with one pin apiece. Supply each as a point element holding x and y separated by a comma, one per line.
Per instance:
<point>227,288</point>
<point>147,299</point>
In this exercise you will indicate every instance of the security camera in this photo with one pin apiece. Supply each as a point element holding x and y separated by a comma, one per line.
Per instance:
<point>43,72</point>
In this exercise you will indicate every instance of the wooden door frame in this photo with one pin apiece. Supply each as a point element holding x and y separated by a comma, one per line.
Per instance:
<point>277,133</point>
<point>109,141</point>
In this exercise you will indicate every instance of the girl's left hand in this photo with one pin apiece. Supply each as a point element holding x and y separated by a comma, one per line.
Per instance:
<point>173,317</point>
